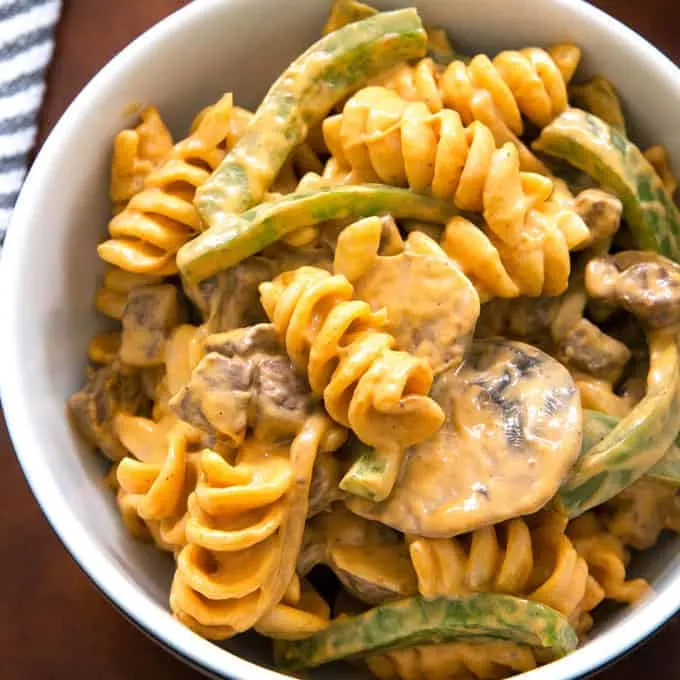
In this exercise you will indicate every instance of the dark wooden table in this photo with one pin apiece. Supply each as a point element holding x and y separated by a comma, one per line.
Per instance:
<point>54,623</point>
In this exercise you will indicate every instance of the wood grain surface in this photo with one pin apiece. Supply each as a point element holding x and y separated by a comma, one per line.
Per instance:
<point>54,623</point>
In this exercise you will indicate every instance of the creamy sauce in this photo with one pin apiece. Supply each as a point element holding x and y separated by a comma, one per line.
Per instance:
<point>513,431</point>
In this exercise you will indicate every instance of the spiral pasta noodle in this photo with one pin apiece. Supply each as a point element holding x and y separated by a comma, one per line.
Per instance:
<point>301,613</point>
<point>488,660</point>
<point>607,557</point>
<point>538,266</point>
<point>538,563</point>
<point>497,92</point>
<point>136,153</point>
<point>337,341</point>
<point>244,531</point>
<point>154,482</point>
<point>159,219</point>
<point>525,246</point>
<point>530,82</point>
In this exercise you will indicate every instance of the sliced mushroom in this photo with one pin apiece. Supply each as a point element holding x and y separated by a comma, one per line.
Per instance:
<point>370,560</point>
<point>432,306</point>
<point>150,313</point>
<point>513,423</point>
<point>245,380</point>
<point>643,283</point>
<point>109,390</point>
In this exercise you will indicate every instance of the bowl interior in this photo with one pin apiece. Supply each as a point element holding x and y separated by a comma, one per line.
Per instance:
<point>50,269</point>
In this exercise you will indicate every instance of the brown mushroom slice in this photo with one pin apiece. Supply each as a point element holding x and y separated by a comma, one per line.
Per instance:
<point>374,573</point>
<point>645,284</point>
<point>370,560</point>
<point>432,306</point>
<point>512,433</point>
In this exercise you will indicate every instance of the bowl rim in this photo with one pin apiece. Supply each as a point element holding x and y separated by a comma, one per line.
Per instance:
<point>128,596</point>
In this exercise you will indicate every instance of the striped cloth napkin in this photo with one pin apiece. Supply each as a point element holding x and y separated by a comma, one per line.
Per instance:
<point>26,45</point>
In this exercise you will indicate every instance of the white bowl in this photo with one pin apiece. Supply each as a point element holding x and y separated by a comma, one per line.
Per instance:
<point>49,271</point>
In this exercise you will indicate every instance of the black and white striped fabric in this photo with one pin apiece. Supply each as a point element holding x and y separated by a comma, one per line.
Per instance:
<point>26,45</point>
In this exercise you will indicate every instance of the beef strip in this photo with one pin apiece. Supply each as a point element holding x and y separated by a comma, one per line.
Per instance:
<point>245,380</point>
<point>109,390</point>
<point>586,348</point>
<point>150,313</point>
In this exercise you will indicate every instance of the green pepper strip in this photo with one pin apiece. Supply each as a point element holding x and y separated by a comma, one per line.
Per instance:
<point>344,12</point>
<point>332,68</point>
<point>239,236</point>
<point>417,621</point>
<point>638,442</point>
<point>604,153</point>
<point>372,475</point>
<point>597,425</point>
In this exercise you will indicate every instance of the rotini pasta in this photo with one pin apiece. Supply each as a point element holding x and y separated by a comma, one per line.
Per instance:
<point>113,294</point>
<point>379,392</point>
<point>539,563</point>
<point>495,92</point>
<point>531,81</point>
<point>488,660</point>
<point>606,557</point>
<point>244,530</point>
<point>301,613</point>
<point>381,137</point>
<point>136,153</point>
<point>146,235</point>
<point>155,480</point>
